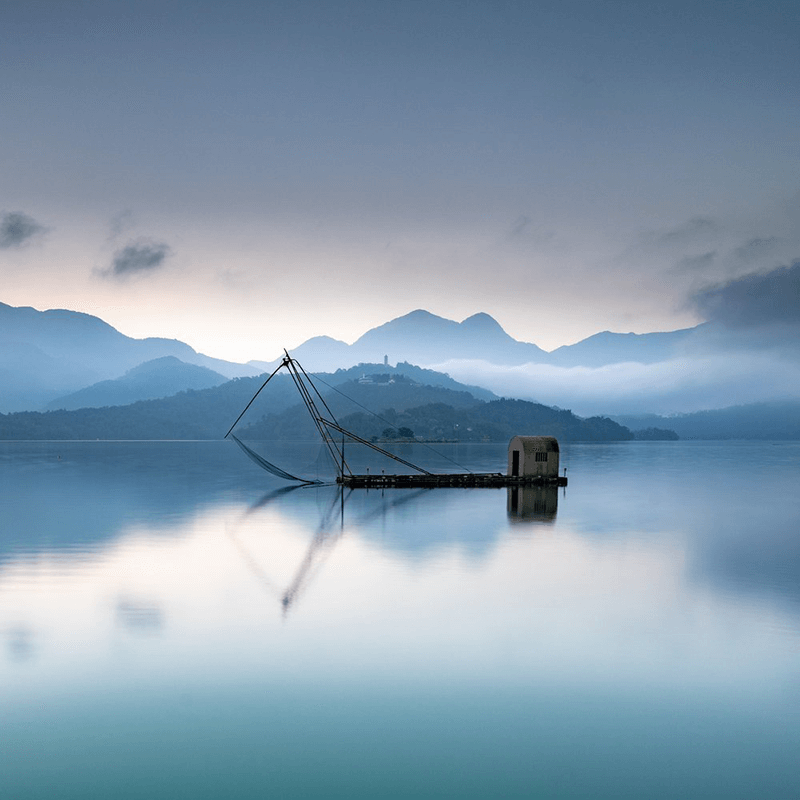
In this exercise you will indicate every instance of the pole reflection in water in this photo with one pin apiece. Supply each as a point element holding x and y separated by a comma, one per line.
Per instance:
<point>328,532</point>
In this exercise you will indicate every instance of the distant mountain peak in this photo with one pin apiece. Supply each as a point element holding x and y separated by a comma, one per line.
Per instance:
<point>480,318</point>
<point>420,313</point>
<point>417,317</point>
<point>482,322</point>
<point>326,339</point>
<point>163,362</point>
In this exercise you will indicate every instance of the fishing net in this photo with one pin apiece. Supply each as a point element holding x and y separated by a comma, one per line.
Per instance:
<point>268,465</point>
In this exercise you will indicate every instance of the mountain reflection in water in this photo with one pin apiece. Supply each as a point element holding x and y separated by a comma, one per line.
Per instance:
<point>171,624</point>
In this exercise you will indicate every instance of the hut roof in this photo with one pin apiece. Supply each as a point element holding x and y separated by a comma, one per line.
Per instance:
<point>533,443</point>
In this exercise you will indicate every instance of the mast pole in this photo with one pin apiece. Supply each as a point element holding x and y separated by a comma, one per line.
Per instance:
<point>282,364</point>
<point>295,369</point>
<point>326,439</point>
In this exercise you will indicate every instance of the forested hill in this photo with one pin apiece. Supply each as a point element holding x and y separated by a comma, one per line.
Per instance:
<point>434,412</point>
<point>495,421</point>
<point>420,375</point>
<point>200,414</point>
<point>208,413</point>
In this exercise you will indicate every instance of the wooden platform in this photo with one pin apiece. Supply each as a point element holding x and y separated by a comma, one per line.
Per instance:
<point>465,480</point>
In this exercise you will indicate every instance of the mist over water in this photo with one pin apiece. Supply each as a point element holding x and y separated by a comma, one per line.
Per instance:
<point>174,622</point>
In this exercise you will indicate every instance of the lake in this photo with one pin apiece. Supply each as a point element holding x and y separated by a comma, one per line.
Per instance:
<point>176,623</point>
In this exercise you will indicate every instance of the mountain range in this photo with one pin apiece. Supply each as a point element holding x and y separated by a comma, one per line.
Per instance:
<point>62,358</point>
<point>436,411</point>
<point>427,339</point>
<point>778,420</point>
<point>45,355</point>
<point>161,377</point>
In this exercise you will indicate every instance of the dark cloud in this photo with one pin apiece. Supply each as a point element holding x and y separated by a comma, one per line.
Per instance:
<point>17,228</point>
<point>694,228</point>
<point>758,299</point>
<point>519,225</point>
<point>120,223</point>
<point>138,258</point>
<point>756,249</point>
<point>696,263</point>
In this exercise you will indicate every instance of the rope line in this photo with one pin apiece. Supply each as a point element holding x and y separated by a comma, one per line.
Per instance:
<point>391,425</point>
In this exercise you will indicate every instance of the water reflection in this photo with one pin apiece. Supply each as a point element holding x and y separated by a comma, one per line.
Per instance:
<point>328,530</point>
<point>19,641</point>
<point>412,631</point>
<point>340,506</point>
<point>63,503</point>
<point>139,616</point>
<point>532,503</point>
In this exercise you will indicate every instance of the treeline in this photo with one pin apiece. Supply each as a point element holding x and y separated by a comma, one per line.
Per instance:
<point>431,412</point>
<point>208,413</point>
<point>496,421</point>
<point>345,399</point>
<point>655,435</point>
<point>419,375</point>
<point>193,414</point>
<point>755,421</point>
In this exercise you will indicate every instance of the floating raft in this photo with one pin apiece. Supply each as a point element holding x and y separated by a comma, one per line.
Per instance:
<point>532,460</point>
<point>465,480</point>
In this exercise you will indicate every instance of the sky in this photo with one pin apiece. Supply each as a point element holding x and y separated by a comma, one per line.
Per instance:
<point>246,175</point>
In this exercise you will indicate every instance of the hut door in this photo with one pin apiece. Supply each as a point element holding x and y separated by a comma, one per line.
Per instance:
<point>515,463</point>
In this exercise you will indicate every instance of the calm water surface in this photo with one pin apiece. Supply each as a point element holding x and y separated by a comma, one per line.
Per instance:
<point>174,623</point>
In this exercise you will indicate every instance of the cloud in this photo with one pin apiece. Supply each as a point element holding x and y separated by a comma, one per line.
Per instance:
<point>16,229</point>
<point>138,258</point>
<point>715,380</point>
<point>120,223</point>
<point>756,249</point>
<point>754,300</point>
<point>696,227</point>
<point>519,225</point>
<point>697,263</point>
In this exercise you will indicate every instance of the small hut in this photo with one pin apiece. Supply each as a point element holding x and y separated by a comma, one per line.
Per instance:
<point>533,456</point>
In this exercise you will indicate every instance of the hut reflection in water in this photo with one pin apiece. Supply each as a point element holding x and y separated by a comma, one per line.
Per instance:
<point>532,503</point>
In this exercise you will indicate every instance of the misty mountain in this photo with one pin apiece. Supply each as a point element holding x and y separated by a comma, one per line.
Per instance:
<point>319,353</point>
<point>374,392</point>
<point>47,354</point>
<point>606,348</point>
<point>160,377</point>
<point>420,375</point>
<point>426,339</point>
<point>708,366</point>
<point>763,421</point>
<point>374,403</point>
<point>495,421</point>
<point>420,338</point>
<point>208,413</point>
